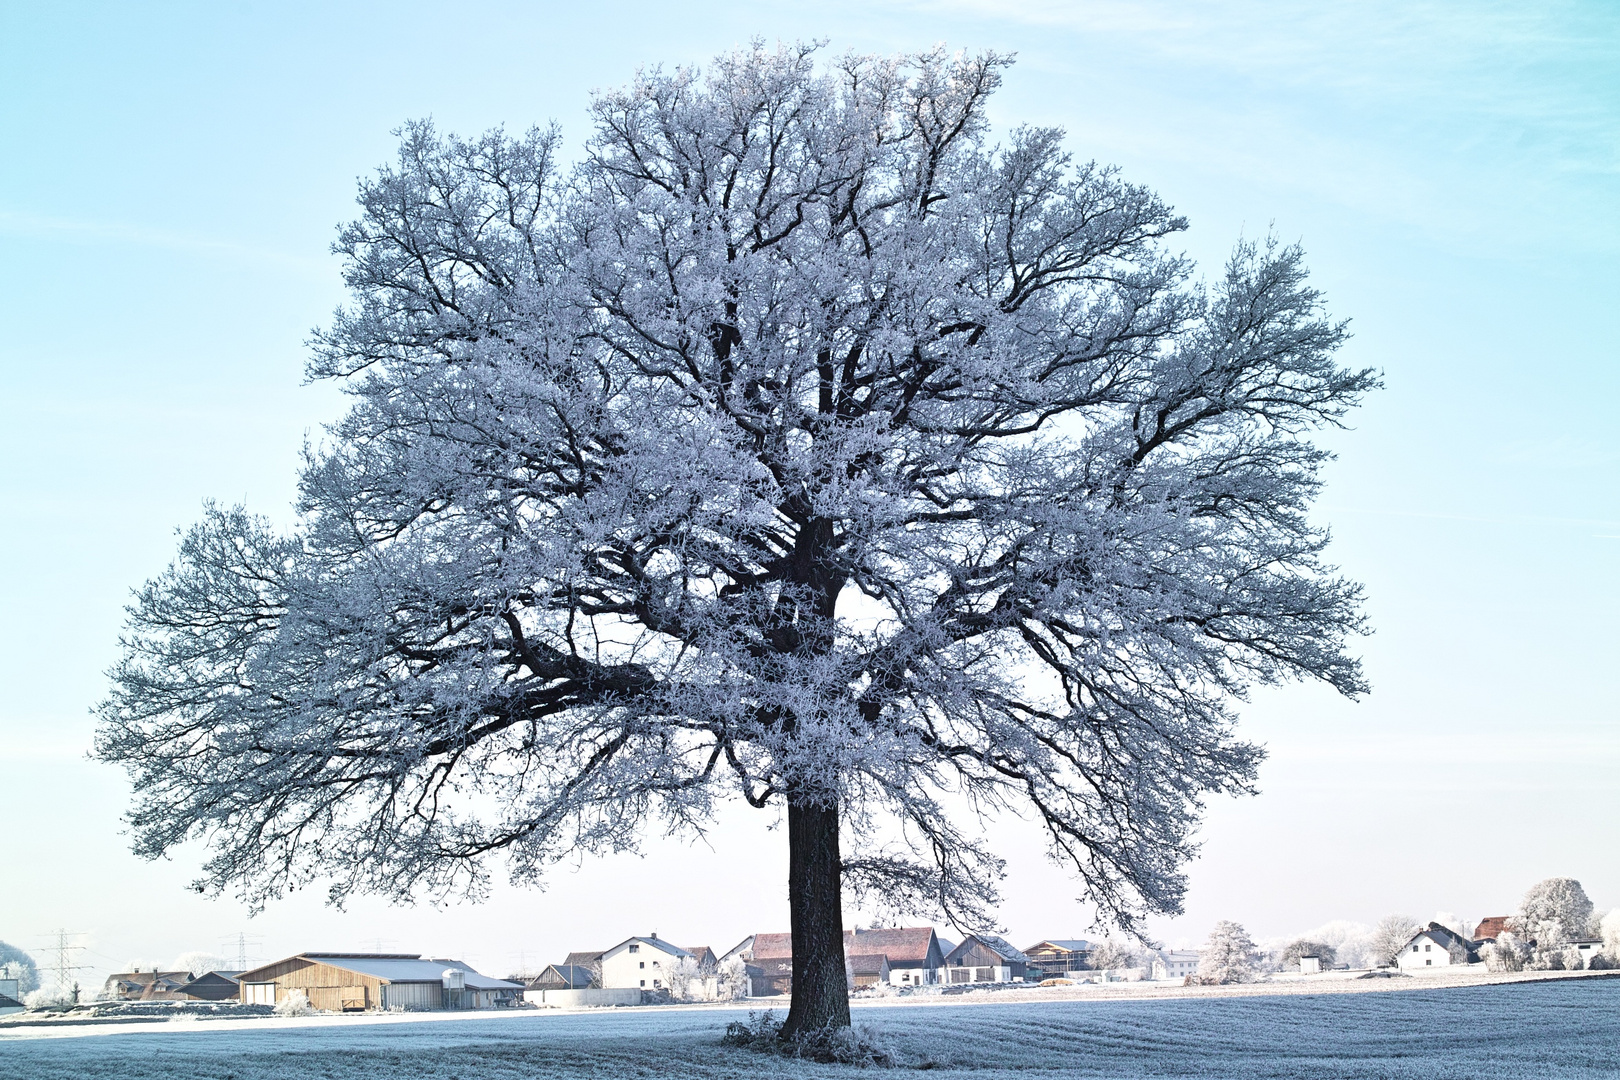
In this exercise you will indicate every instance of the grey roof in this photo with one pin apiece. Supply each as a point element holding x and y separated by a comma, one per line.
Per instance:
<point>404,968</point>
<point>1069,944</point>
<point>1000,946</point>
<point>657,943</point>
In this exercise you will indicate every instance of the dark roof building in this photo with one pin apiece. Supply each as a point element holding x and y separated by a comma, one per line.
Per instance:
<point>563,977</point>
<point>213,986</point>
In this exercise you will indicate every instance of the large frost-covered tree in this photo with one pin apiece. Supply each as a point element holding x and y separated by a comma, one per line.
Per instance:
<point>1555,911</point>
<point>1229,956</point>
<point>801,445</point>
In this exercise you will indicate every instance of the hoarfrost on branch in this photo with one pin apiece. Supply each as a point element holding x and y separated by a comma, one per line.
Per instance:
<point>801,444</point>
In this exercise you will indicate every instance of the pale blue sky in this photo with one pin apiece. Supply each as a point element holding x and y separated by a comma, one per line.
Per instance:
<point>170,176</point>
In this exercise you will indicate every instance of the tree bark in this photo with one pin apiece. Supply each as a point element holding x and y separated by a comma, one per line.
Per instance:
<point>815,905</point>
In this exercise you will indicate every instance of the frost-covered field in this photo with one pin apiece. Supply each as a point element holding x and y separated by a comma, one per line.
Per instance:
<point>1538,1030</point>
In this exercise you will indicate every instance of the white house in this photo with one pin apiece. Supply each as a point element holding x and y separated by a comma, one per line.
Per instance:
<point>641,962</point>
<point>1175,964</point>
<point>1435,947</point>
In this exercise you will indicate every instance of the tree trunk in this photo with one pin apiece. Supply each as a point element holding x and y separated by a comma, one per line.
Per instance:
<point>815,904</point>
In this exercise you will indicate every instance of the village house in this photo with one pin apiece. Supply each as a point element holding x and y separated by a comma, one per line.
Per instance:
<point>1490,928</point>
<point>357,982</point>
<point>1175,964</point>
<point>10,996</point>
<point>650,963</point>
<point>1436,947</point>
<point>146,986</point>
<point>985,958</point>
<point>1057,957</point>
<point>912,957</point>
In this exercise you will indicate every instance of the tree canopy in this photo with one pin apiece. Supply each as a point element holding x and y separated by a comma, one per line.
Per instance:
<point>802,444</point>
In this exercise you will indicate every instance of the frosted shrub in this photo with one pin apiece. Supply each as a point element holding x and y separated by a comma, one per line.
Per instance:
<point>1572,959</point>
<point>858,1046</point>
<point>1506,953</point>
<point>46,999</point>
<point>296,1003</point>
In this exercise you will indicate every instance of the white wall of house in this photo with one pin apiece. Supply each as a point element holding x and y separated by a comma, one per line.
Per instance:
<point>916,976</point>
<point>1423,953</point>
<point>640,964</point>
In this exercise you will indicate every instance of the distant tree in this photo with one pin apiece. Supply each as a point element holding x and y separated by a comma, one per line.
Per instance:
<point>1390,936</point>
<point>1553,912</point>
<point>1296,949</point>
<point>1609,931</point>
<point>1505,953</point>
<point>198,963</point>
<point>732,979</point>
<point>1229,956</point>
<point>17,964</point>
<point>799,445</point>
<point>1113,954</point>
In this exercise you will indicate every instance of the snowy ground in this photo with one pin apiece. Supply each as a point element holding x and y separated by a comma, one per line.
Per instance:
<point>1554,1030</point>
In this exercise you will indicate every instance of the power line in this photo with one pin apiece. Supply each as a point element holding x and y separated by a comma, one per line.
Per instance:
<point>65,968</point>
<point>241,943</point>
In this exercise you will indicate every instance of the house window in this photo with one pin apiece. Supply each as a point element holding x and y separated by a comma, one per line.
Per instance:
<point>1426,948</point>
<point>1414,948</point>
<point>655,963</point>
<point>643,963</point>
<point>643,982</point>
<point>635,948</point>
<point>1427,962</point>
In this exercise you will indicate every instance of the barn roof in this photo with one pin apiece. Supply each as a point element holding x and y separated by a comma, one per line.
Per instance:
<point>873,964</point>
<point>899,944</point>
<point>397,968</point>
<point>583,959</point>
<point>1489,928</point>
<point>1000,946</point>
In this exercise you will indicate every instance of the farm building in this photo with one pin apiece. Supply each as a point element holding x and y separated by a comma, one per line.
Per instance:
<point>1056,957</point>
<point>353,982</point>
<point>985,958</point>
<point>563,977</point>
<point>868,970</point>
<point>1490,928</point>
<point>213,986</point>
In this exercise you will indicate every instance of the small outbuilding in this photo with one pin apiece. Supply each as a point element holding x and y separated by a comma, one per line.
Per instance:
<point>563,977</point>
<point>359,982</point>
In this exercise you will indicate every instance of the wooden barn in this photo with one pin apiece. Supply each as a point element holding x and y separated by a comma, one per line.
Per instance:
<point>356,982</point>
<point>986,958</point>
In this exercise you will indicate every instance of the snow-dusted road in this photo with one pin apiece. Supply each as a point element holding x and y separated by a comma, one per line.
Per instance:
<point>1537,1031</point>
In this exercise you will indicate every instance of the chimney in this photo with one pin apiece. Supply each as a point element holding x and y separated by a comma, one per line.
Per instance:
<point>655,935</point>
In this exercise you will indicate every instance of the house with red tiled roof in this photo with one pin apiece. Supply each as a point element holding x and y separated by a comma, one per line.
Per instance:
<point>1489,929</point>
<point>911,957</point>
